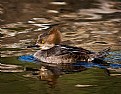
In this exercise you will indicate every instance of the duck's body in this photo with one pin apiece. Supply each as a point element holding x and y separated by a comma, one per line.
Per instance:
<point>54,52</point>
<point>63,54</point>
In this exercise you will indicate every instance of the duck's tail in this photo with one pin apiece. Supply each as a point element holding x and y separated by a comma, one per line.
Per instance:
<point>102,54</point>
<point>99,56</point>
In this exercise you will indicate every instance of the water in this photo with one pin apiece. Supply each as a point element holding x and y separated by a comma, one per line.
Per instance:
<point>91,24</point>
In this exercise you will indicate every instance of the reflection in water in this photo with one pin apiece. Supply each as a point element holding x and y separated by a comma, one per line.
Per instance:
<point>49,74</point>
<point>91,24</point>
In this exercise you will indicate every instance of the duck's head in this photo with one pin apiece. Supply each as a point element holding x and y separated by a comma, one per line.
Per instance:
<point>49,38</point>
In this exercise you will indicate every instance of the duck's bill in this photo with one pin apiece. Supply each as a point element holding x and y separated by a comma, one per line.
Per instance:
<point>33,46</point>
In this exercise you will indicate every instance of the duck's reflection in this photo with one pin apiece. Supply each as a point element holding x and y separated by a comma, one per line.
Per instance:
<point>51,73</point>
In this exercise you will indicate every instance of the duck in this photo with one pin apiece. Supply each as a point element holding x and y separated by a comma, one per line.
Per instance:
<point>53,51</point>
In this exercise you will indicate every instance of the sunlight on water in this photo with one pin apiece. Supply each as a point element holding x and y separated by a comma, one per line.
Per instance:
<point>91,24</point>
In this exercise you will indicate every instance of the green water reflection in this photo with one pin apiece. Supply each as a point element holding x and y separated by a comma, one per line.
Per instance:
<point>91,24</point>
<point>17,83</point>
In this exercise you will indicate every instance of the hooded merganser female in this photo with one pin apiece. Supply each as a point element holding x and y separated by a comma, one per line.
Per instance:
<point>54,52</point>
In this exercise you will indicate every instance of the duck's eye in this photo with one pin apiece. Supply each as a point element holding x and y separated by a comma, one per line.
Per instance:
<point>43,42</point>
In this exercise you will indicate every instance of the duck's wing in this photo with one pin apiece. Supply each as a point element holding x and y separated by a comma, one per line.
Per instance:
<point>65,51</point>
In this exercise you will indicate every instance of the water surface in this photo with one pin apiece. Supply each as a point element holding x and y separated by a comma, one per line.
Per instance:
<point>91,24</point>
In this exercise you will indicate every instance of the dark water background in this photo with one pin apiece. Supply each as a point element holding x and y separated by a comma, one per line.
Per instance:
<point>91,24</point>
